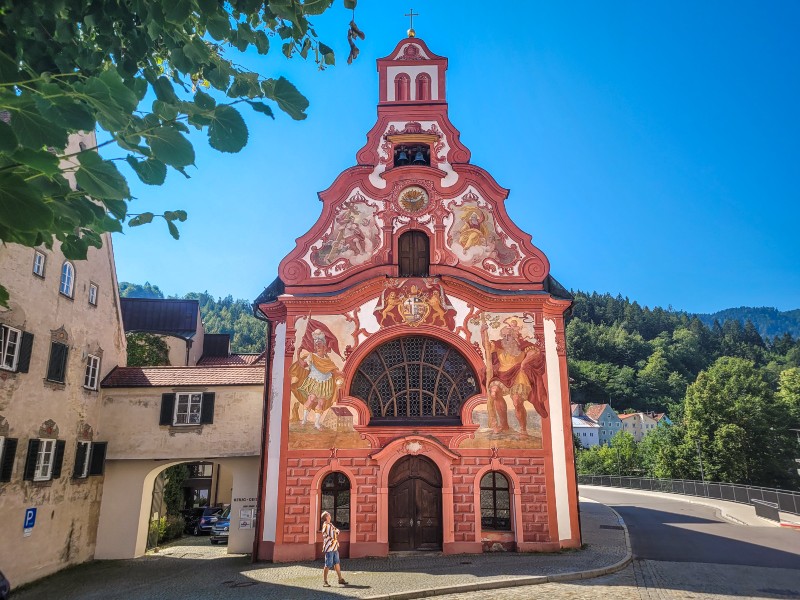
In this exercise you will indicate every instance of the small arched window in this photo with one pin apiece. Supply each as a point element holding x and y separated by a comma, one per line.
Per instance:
<point>336,499</point>
<point>67,279</point>
<point>495,502</point>
<point>423,86</point>
<point>402,87</point>
<point>413,254</point>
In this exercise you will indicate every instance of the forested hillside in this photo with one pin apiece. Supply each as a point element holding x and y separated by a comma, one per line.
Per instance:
<point>733,396</point>
<point>768,321</point>
<point>223,315</point>
<point>636,357</point>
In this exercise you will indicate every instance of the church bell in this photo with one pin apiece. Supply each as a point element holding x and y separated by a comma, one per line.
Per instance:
<point>419,158</point>
<point>402,158</point>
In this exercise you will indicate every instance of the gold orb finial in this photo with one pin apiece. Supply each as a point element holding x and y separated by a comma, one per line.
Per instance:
<point>411,14</point>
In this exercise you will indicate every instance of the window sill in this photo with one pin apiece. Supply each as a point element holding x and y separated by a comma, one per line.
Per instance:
<point>89,389</point>
<point>42,482</point>
<point>63,295</point>
<point>173,429</point>
<point>55,385</point>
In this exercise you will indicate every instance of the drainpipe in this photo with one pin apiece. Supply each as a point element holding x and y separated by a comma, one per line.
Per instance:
<point>264,418</point>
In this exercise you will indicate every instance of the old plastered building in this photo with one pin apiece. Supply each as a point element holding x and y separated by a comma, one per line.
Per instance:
<point>61,334</point>
<point>417,376</point>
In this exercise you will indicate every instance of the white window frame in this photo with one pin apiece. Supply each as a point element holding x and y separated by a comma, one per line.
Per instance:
<point>8,360</point>
<point>92,372</point>
<point>93,294</point>
<point>67,285</point>
<point>44,460</point>
<point>39,260</point>
<point>187,416</point>
<point>2,447</point>
<point>85,471</point>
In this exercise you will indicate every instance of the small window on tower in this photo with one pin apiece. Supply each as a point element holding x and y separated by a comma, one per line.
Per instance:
<point>423,82</point>
<point>402,87</point>
<point>413,250</point>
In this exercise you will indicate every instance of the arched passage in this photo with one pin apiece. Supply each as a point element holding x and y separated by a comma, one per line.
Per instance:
<point>127,500</point>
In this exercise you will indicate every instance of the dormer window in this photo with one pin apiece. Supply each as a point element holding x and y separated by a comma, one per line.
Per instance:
<point>402,87</point>
<point>418,155</point>
<point>423,85</point>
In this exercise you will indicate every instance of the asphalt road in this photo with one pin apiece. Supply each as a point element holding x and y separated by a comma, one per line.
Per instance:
<point>667,529</point>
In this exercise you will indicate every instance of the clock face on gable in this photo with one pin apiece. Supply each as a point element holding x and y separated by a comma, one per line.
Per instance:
<point>414,199</point>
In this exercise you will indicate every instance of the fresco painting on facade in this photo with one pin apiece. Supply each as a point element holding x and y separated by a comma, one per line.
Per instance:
<point>474,236</point>
<point>515,377</point>
<point>353,237</point>
<point>415,301</point>
<point>316,379</point>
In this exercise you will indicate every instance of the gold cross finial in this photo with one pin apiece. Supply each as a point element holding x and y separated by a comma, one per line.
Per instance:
<point>411,14</point>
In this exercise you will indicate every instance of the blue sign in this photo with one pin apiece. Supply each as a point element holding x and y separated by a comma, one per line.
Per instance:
<point>30,518</point>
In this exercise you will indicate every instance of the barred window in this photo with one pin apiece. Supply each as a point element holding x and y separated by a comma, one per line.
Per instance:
<point>336,499</point>
<point>495,502</point>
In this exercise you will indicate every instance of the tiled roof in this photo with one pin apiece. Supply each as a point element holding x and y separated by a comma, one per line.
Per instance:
<point>594,412</point>
<point>231,360</point>
<point>628,416</point>
<point>173,376</point>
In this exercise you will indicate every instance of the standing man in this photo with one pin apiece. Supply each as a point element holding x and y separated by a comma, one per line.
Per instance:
<point>330,547</point>
<point>517,369</point>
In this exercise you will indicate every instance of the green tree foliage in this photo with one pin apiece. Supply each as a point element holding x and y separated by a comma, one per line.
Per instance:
<point>144,72</point>
<point>174,499</point>
<point>147,350</point>
<point>769,322</point>
<point>134,290</point>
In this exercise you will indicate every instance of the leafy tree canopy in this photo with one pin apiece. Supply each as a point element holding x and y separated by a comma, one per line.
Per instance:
<point>69,66</point>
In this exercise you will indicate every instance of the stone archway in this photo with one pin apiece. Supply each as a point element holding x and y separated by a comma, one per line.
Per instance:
<point>127,496</point>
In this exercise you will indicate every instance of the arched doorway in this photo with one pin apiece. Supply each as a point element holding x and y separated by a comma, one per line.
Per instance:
<point>415,505</point>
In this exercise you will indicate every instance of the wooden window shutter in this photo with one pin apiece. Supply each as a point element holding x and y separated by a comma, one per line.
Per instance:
<point>97,460</point>
<point>9,453</point>
<point>30,460</point>
<point>167,409</point>
<point>25,350</point>
<point>58,458</point>
<point>207,411</point>
<point>57,367</point>
<point>80,459</point>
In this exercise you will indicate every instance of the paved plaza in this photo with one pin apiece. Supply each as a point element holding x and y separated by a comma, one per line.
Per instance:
<point>193,568</point>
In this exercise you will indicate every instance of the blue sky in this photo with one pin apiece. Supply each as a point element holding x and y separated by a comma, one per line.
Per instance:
<point>651,148</point>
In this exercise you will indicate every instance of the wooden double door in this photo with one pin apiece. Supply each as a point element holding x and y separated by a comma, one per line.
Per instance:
<point>415,505</point>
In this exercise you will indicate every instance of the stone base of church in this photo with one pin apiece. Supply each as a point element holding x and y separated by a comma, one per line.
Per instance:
<point>462,548</point>
<point>540,546</point>
<point>364,549</point>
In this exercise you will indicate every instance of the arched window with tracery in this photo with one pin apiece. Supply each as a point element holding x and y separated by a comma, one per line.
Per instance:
<point>423,82</point>
<point>336,499</point>
<point>402,87</point>
<point>495,502</point>
<point>415,380</point>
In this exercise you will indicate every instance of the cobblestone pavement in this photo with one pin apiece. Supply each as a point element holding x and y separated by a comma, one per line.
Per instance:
<point>195,569</point>
<point>660,580</point>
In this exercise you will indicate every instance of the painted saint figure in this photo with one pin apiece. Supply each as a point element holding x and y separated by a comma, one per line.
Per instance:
<point>473,232</point>
<point>315,377</point>
<point>515,367</point>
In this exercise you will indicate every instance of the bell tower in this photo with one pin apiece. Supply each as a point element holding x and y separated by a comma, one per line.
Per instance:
<point>412,74</point>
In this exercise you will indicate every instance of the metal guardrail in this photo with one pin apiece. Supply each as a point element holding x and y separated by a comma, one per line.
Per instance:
<point>786,501</point>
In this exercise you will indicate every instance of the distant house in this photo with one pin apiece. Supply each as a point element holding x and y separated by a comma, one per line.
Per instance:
<point>638,424</point>
<point>588,431</point>
<point>660,418</point>
<point>607,419</point>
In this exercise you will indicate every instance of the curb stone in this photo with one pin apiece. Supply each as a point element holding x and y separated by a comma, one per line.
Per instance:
<point>498,584</point>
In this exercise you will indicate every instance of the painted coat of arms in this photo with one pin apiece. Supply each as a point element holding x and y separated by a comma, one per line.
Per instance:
<point>415,301</point>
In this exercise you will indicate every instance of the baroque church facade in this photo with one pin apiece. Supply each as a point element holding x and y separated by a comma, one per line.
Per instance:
<point>417,384</point>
